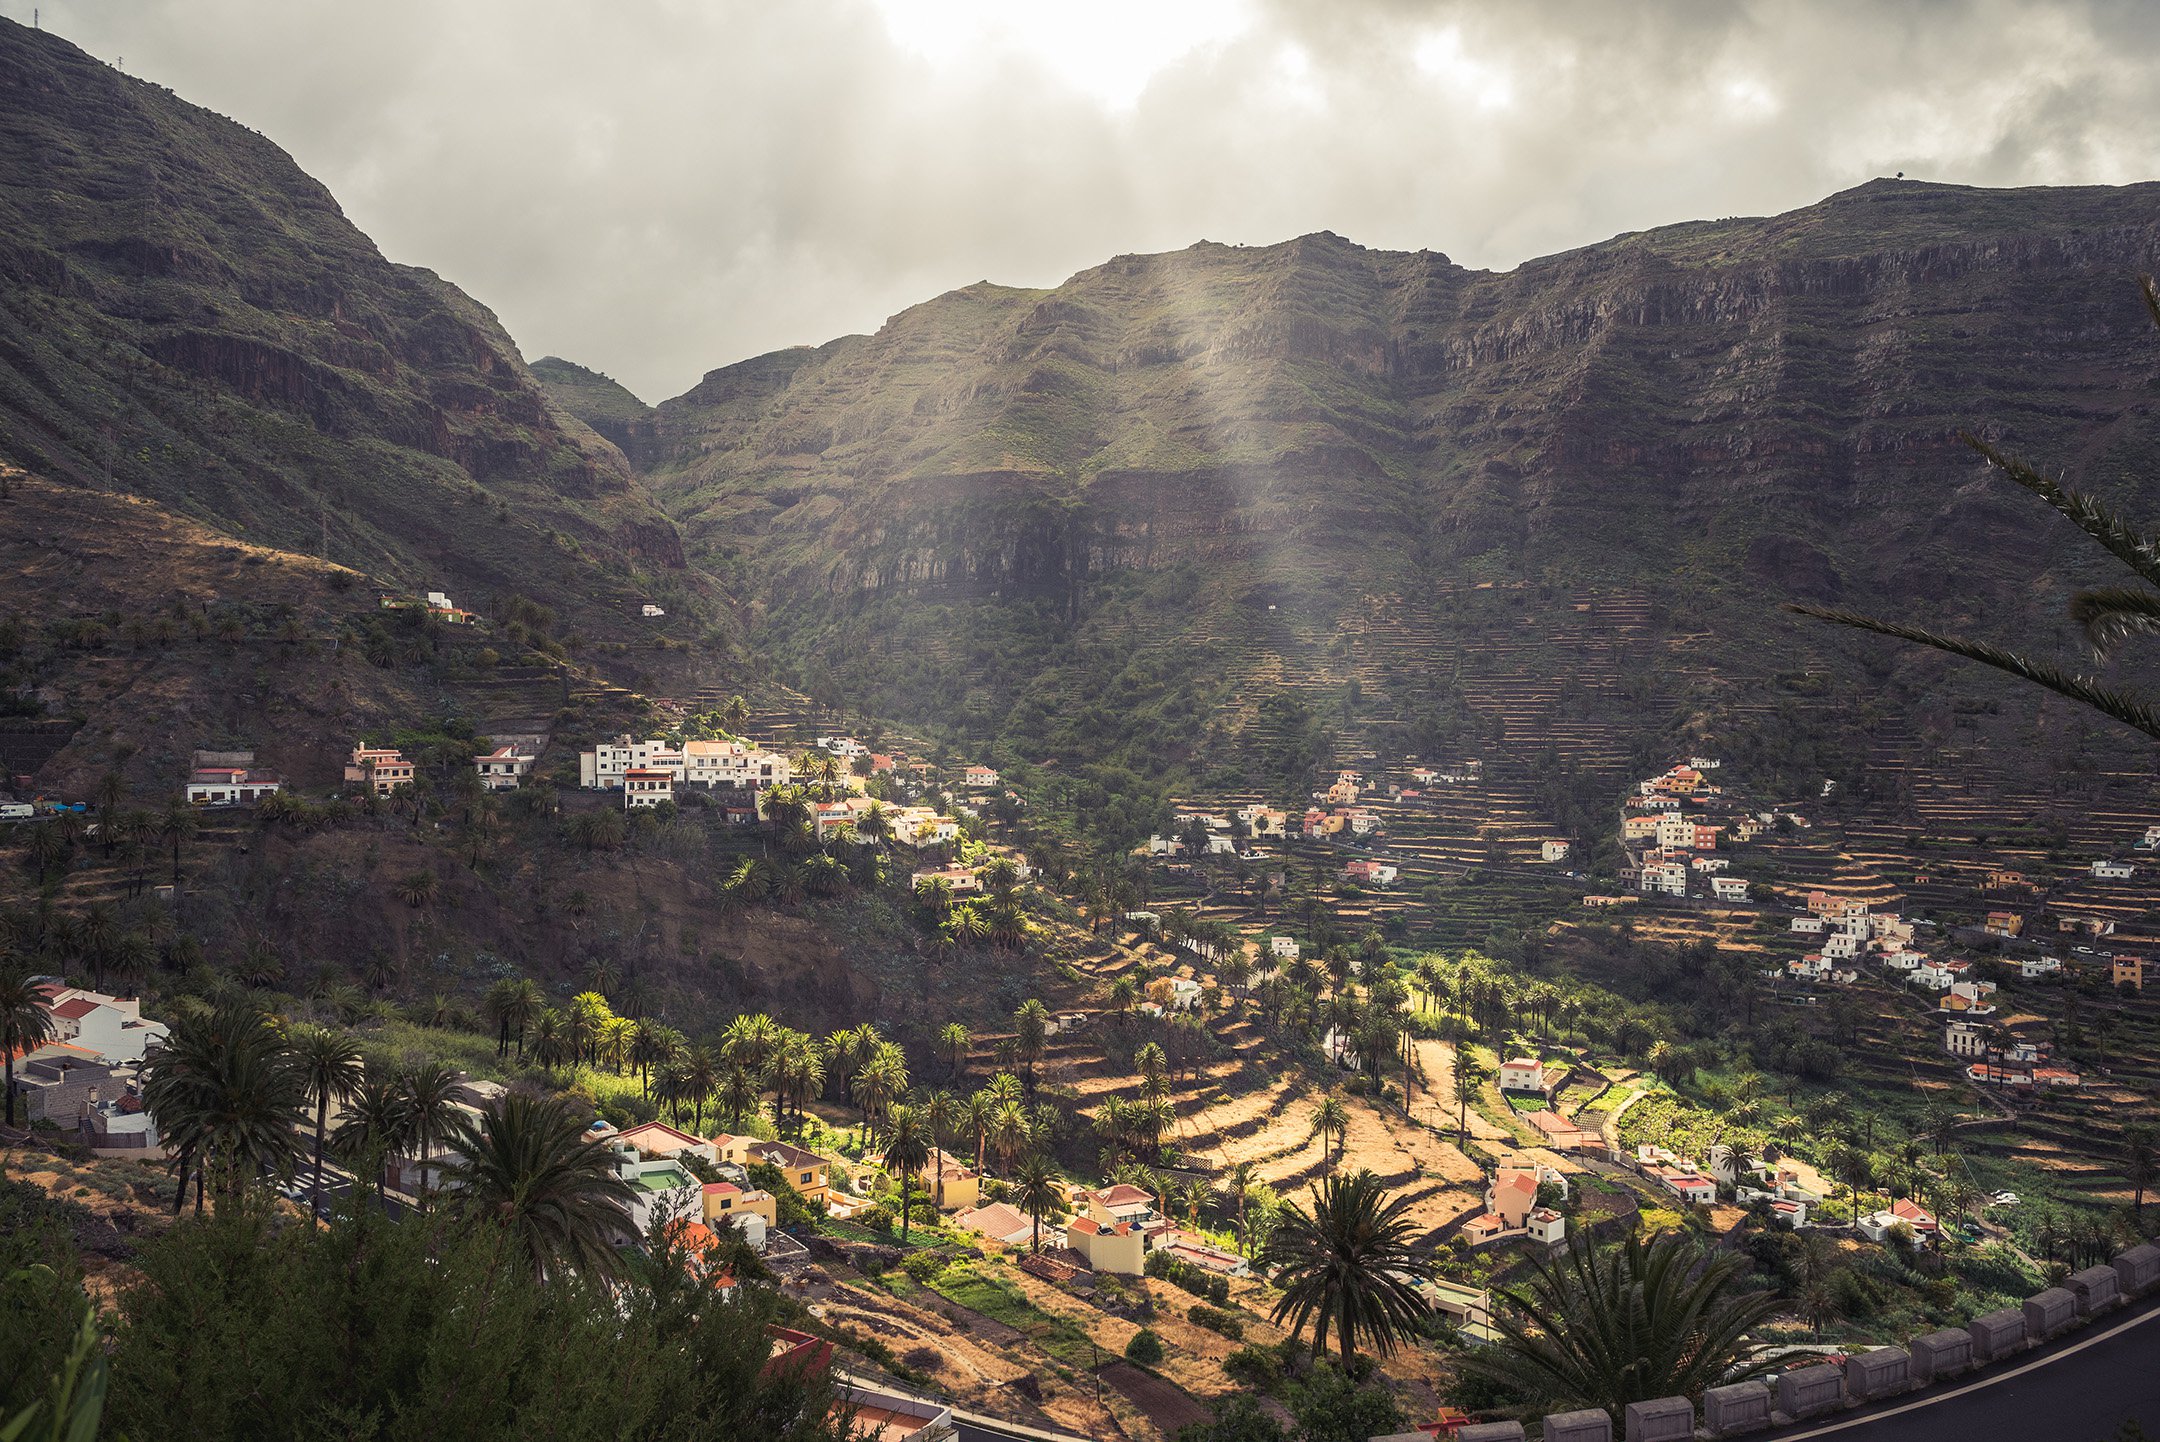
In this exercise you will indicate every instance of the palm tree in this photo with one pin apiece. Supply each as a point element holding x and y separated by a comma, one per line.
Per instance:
<point>375,1128</point>
<point>430,1107</point>
<point>697,1077</point>
<point>177,824</point>
<point>882,1081</point>
<point>1036,1188</point>
<point>1469,1076</point>
<point>1606,1326</point>
<point>525,1165</point>
<point>226,1098</point>
<point>907,1151</point>
<point>954,1043</point>
<point>1330,1122</point>
<point>1237,1190</point>
<point>1031,1029</point>
<point>738,1092</point>
<point>1347,1266</point>
<point>25,1025</point>
<point>976,1112</point>
<point>2139,1162</point>
<point>1010,1131</point>
<point>330,1070</point>
<point>940,1112</point>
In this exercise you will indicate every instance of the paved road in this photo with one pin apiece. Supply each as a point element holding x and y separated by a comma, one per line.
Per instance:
<point>2083,1392</point>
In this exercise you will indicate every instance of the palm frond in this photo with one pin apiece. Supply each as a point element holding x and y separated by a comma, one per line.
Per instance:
<point>2111,615</point>
<point>2123,540</point>
<point>2108,701</point>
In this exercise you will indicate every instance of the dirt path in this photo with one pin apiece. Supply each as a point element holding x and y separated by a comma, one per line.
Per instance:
<point>1435,1101</point>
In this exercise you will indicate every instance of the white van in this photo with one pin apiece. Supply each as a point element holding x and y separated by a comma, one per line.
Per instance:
<point>16,811</point>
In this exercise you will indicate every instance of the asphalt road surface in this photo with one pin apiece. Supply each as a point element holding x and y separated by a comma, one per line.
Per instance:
<point>2082,1392</point>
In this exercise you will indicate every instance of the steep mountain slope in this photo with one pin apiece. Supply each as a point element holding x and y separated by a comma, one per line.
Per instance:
<point>601,402</point>
<point>1177,475</point>
<point>186,316</point>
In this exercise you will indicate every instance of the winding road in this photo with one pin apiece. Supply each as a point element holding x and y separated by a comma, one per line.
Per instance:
<point>2081,1391</point>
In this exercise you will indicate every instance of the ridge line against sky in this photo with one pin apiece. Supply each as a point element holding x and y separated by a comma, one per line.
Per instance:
<point>657,189</point>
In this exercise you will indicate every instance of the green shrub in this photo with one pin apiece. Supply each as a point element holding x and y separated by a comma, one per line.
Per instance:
<point>1229,1324</point>
<point>1145,1349</point>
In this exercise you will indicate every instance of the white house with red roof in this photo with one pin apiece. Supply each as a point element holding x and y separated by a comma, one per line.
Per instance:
<point>109,1028</point>
<point>503,768</point>
<point>979,778</point>
<point>1371,873</point>
<point>1529,1074</point>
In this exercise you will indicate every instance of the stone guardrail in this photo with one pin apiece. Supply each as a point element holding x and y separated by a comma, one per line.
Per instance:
<point>1806,1392</point>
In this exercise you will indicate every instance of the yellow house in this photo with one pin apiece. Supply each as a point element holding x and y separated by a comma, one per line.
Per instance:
<point>724,1201</point>
<point>1107,1244</point>
<point>806,1171</point>
<point>963,1186</point>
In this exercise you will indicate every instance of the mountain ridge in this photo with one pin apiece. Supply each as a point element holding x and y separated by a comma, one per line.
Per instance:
<point>191,318</point>
<point>1719,413</point>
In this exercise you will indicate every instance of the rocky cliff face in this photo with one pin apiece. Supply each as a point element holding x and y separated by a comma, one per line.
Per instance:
<point>1763,408</point>
<point>185,315</point>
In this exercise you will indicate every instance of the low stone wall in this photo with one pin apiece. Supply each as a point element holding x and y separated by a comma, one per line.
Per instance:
<point>1746,1407</point>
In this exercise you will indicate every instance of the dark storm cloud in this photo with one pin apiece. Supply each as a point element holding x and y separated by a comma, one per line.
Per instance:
<point>653,189</point>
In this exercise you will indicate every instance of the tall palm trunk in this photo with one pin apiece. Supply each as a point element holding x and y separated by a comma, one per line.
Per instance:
<point>322,1121</point>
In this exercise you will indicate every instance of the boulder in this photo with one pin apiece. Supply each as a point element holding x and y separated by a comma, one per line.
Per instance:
<point>1487,1432</point>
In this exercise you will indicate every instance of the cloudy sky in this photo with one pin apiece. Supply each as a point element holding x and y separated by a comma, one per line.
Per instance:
<point>657,187</point>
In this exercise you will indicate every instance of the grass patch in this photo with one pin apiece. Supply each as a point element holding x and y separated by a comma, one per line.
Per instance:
<point>1002,1301</point>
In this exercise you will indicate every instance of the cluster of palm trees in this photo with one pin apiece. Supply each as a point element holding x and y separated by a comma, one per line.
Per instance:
<point>997,916</point>
<point>239,1099</point>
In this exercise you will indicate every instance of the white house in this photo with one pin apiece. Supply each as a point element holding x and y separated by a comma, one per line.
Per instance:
<point>1676,832</point>
<point>230,786</point>
<point>1963,1039</point>
<point>1841,946</point>
<point>2032,968</point>
<point>1552,851</point>
<point>604,767</point>
<point>1669,877</point>
<point>1811,925</point>
<point>110,1027</point>
<point>1526,1074</point>
<point>503,768</point>
<point>2150,841</point>
<point>1728,888</point>
<point>2113,870</point>
<point>847,748</point>
<point>1283,948</point>
<point>1371,873</point>
<point>979,778</point>
<point>644,787</point>
<point>1710,865</point>
<point>733,766</point>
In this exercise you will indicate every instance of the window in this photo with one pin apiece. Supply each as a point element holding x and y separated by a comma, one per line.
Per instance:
<point>806,1178</point>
